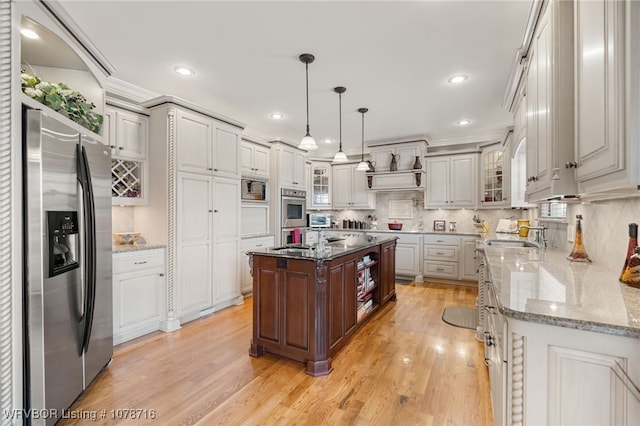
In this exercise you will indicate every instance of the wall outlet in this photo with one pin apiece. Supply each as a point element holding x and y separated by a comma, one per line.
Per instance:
<point>571,233</point>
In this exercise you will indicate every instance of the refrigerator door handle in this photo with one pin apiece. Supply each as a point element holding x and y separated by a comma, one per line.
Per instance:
<point>88,207</point>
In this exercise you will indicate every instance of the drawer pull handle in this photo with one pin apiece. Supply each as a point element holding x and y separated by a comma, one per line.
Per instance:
<point>440,253</point>
<point>439,241</point>
<point>258,245</point>
<point>161,274</point>
<point>140,263</point>
<point>440,269</point>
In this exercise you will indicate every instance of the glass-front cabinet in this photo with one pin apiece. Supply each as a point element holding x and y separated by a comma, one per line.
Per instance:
<point>494,168</point>
<point>320,190</point>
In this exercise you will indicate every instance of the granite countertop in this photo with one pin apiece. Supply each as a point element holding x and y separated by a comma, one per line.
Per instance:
<point>543,286</point>
<point>333,250</point>
<point>403,231</point>
<point>123,248</point>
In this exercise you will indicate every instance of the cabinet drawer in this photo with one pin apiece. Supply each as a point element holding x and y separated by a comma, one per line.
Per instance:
<point>447,253</point>
<point>440,269</point>
<point>133,262</point>
<point>435,239</point>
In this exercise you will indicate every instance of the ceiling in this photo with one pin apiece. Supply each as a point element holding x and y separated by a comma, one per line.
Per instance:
<point>394,57</point>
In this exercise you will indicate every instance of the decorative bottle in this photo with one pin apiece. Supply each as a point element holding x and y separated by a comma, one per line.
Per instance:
<point>633,242</point>
<point>417,164</point>
<point>578,253</point>
<point>631,275</point>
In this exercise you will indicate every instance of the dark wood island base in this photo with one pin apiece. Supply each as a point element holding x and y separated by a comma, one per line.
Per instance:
<point>306,308</point>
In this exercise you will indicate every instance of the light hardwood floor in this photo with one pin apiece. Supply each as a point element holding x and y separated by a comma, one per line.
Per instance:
<point>404,367</point>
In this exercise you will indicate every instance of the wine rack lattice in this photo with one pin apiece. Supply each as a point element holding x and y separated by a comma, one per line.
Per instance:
<point>126,178</point>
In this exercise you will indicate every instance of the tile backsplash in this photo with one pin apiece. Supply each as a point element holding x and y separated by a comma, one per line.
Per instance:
<point>122,219</point>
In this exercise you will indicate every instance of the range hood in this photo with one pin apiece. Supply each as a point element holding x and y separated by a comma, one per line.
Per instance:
<point>410,180</point>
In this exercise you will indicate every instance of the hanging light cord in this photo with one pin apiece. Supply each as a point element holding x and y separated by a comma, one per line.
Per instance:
<point>306,67</point>
<point>340,121</point>
<point>362,150</point>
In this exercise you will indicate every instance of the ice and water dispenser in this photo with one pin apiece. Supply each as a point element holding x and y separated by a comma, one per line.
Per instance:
<point>62,241</point>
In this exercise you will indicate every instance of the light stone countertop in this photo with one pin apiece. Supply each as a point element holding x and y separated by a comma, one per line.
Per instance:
<point>124,248</point>
<point>543,286</point>
<point>388,231</point>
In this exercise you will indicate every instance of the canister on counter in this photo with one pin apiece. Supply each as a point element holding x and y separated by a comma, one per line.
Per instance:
<point>523,232</point>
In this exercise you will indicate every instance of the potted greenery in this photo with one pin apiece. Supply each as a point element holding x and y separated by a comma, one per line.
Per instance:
<point>61,98</point>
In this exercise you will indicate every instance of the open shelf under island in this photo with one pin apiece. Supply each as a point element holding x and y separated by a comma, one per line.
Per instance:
<point>308,303</point>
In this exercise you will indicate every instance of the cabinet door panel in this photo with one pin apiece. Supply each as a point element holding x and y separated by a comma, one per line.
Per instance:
<point>544,107</point>
<point>226,213</point>
<point>195,135</point>
<point>407,259</point>
<point>246,158</point>
<point>437,182</point>
<point>140,299</point>
<point>598,108</point>
<point>227,270</point>
<point>341,187</point>
<point>132,135</point>
<point>462,182</point>
<point>194,208</point>
<point>194,277</point>
<point>227,152</point>
<point>360,194</point>
<point>382,159</point>
<point>261,161</point>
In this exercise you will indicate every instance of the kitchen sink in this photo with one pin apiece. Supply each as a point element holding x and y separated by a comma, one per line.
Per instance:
<point>510,243</point>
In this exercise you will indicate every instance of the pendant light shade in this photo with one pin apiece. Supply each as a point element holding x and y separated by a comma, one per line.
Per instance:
<point>307,142</point>
<point>340,155</point>
<point>362,165</point>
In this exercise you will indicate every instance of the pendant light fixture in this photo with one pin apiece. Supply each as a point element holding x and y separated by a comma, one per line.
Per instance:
<point>362,166</point>
<point>340,155</point>
<point>307,142</point>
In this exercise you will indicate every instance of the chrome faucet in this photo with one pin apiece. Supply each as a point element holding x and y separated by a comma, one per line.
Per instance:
<point>540,234</point>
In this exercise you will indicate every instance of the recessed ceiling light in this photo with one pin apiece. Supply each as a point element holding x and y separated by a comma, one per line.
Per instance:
<point>277,116</point>
<point>29,33</point>
<point>463,122</point>
<point>457,79</point>
<point>184,71</point>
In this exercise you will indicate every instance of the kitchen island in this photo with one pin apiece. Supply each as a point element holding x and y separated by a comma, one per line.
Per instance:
<point>308,302</point>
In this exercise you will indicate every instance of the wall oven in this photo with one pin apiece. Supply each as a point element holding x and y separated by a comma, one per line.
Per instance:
<point>294,208</point>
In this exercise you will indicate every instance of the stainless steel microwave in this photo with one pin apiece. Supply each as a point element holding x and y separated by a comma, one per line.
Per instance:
<point>254,190</point>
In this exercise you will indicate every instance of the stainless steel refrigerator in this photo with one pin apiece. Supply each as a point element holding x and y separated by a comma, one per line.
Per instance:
<point>68,326</point>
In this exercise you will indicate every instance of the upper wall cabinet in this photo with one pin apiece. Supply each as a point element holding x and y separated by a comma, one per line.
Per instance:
<point>452,181</point>
<point>495,175</point>
<point>126,133</point>
<point>550,133</point>
<point>607,95</point>
<point>254,159</point>
<point>290,167</point>
<point>207,145</point>
<point>320,185</point>
<point>349,188</point>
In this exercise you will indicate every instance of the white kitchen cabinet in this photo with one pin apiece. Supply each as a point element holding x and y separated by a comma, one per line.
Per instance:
<point>202,243</point>
<point>291,167</point>
<point>249,244</point>
<point>208,243</point>
<point>350,188</point>
<point>450,257</point>
<point>206,145</point>
<point>254,159</point>
<point>127,135</point>
<point>468,259</point>
<point>406,153</point>
<point>495,165</point>
<point>139,288</point>
<point>452,181</point>
<point>550,111</point>
<point>607,126</point>
<point>408,252</point>
<point>319,186</point>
